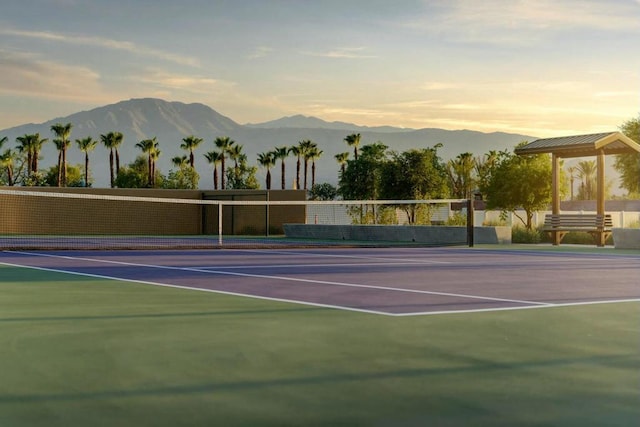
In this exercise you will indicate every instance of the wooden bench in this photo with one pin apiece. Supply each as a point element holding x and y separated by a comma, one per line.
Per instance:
<point>599,226</point>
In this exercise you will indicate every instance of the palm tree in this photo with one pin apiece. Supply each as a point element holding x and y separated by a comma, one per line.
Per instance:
<point>6,161</point>
<point>586,171</point>
<point>314,154</point>
<point>235,154</point>
<point>281,153</point>
<point>342,158</point>
<point>306,146</point>
<point>295,150</point>
<point>214,157</point>
<point>190,143</point>
<point>110,141</point>
<point>180,161</point>
<point>353,140</point>
<point>150,147</point>
<point>224,144</point>
<point>267,160</point>
<point>3,140</point>
<point>459,171</point>
<point>31,144</point>
<point>85,145</point>
<point>62,141</point>
<point>117,140</point>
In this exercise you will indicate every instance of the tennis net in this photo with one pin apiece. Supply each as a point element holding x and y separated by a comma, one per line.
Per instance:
<point>47,220</point>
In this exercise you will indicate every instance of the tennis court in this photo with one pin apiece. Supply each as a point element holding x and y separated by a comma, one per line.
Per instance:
<point>392,281</point>
<point>320,336</point>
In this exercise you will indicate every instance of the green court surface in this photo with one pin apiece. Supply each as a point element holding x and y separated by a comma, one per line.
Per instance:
<point>76,351</point>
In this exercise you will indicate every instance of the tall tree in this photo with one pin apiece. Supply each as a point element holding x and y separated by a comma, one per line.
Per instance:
<point>281,153</point>
<point>180,161</point>
<point>150,148</point>
<point>628,165</point>
<point>118,138</point>
<point>353,140</point>
<point>86,145</point>
<point>460,172</point>
<point>267,161</point>
<point>235,154</point>
<point>587,173</point>
<point>520,182</point>
<point>314,154</point>
<point>305,148</point>
<point>6,162</point>
<point>295,150</point>
<point>342,158</point>
<point>62,141</point>
<point>190,143</point>
<point>224,144</point>
<point>214,158</point>
<point>111,140</point>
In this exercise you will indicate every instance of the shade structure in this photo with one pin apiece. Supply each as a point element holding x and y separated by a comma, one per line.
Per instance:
<point>592,145</point>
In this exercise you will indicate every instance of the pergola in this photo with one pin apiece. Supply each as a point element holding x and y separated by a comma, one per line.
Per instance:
<point>594,145</point>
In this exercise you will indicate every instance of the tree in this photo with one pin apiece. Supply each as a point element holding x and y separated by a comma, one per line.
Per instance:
<point>414,175</point>
<point>360,180</point>
<point>86,145</point>
<point>224,144</point>
<point>342,158</point>
<point>314,154</point>
<point>281,153</point>
<point>353,140</point>
<point>235,154</point>
<point>135,175</point>
<point>460,172</point>
<point>6,161</point>
<point>190,143</point>
<point>628,165</point>
<point>150,147</point>
<point>520,182</point>
<point>31,145</point>
<point>296,151</point>
<point>305,148</point>
<point>62,141</point>
<point>75,176</point>
<point>587,173</point>
<point>214,158</point>
<point>185,177</point>
<point>267,161</point>
<point>111,141</point>
<point>324,191</point>
<point>243,176</point>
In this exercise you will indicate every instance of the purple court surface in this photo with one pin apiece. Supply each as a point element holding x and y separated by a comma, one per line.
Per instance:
<point>389,281</point>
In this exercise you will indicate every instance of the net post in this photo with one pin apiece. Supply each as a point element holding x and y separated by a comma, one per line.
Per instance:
<point>219,223</point>
<point>470,219</point>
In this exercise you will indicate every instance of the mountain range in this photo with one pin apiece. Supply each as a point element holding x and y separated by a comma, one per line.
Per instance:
<point>169,122</point>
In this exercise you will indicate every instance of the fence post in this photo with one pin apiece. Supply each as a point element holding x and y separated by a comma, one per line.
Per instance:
<point>470,218</point>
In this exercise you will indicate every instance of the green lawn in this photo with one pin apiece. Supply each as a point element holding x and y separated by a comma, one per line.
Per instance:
<point>77,351</point>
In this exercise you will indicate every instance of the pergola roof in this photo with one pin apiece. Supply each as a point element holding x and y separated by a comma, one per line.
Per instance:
<point>582,145</point>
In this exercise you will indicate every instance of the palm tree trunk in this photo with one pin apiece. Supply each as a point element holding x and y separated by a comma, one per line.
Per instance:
<point>59,182</point>
<point>222,173</point>
<point>306,167</point>
<point>117,162</point>
<point>86,169</point>
<point>268,179</point>
<point>313,173</point>
<point>215,178</point>
<point>111,167</point>
<point>298,174</point>
<point>64,166</point>
<point>283,183</point>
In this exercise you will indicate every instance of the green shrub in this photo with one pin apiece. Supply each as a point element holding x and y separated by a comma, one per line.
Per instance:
<point>522,235</point>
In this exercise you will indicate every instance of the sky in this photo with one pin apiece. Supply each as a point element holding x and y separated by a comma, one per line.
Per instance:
<point>536,67</point>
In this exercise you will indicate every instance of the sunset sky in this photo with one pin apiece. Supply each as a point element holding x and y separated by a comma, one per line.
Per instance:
<point>537,67</point>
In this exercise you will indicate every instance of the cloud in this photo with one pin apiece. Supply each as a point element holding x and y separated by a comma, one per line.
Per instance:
<point>182,82</point>
<point>260,52</point>
<point>28,75</point>
<point>513,22</point>
<point>342,53</point>
<point>103,43</point>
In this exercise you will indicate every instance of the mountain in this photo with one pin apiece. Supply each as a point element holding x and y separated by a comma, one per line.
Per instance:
<point>306,122</point>
<point>140,119</point>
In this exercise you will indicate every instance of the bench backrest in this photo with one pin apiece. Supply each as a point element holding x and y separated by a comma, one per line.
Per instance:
<point>578,220</point>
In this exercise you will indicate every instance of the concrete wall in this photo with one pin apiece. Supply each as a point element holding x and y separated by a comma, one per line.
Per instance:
<point>626,238</point>
<point>439,235</point>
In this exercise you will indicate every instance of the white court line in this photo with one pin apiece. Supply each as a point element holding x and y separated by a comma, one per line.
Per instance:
<point>317,255</point>
<point>166,285</point>
<point>238,267</point>
<point>290,279</point>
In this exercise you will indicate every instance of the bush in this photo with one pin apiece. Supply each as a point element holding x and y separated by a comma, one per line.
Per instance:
<point>522,235</point>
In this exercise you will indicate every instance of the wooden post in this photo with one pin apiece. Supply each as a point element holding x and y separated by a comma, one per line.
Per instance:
<point>555,194</point>
<point>600,166</point>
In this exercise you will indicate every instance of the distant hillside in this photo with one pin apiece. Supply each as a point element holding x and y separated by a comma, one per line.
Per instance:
<point>140,119</point>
